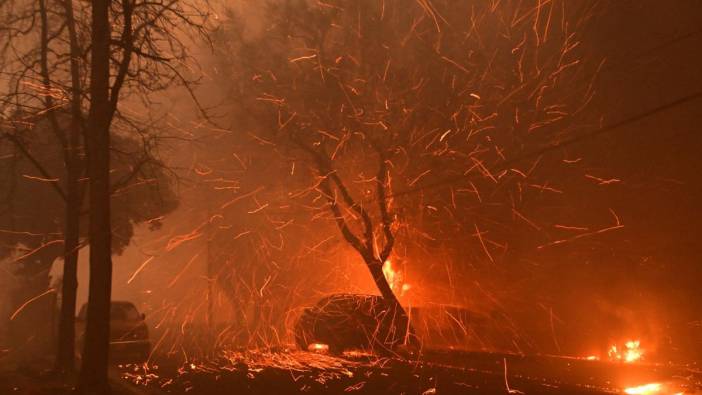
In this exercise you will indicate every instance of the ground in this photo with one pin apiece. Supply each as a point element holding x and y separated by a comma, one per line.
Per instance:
<point>281,372</point>
<point>286,372</point>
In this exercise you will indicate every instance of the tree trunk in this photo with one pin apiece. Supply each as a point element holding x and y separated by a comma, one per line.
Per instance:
<point>65,360</point>
<point>375,267</point>
<point>93,378</point>
<point>399,318</point>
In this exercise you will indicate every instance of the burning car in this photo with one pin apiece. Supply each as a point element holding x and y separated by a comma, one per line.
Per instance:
<point>129,335</point>
<point>342,322</point>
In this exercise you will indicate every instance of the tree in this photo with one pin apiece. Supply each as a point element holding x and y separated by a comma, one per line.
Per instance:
<point>141,190</point>
<point>158,23</point>
<point>380,100</point>
<point>148,55</point>
<point>97,335</point>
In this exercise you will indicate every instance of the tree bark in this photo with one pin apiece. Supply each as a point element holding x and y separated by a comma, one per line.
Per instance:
<point>65,360</point>
<point>93,377</point>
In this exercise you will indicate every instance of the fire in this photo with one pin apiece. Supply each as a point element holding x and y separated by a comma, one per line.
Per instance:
<point>632,352</point>
<point>646,389</point>
<point>395,279</point>
<point>318,348</point>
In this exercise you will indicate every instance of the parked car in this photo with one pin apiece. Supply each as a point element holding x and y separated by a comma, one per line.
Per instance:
<point>342,322</point>
<point>129,335</point>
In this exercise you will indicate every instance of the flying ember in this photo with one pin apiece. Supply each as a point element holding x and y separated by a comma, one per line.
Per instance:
<point>453,197</point>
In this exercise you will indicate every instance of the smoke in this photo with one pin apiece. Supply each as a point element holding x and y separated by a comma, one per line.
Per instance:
<point>631,282</point>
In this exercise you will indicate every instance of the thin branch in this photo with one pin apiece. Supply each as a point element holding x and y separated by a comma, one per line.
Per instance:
<point>45,174</point>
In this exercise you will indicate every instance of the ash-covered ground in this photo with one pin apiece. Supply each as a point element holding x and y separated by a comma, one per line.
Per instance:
<point>287,371</point>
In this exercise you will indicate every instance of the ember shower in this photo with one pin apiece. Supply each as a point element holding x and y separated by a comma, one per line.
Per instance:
<point>445,115</point>
<point>492,166</point>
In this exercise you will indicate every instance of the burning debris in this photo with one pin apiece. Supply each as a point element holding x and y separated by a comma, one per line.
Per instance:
<point>631,352</point>
<point>646,389</point>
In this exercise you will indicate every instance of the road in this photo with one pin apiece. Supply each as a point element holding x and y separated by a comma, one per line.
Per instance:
<point>441,372</point>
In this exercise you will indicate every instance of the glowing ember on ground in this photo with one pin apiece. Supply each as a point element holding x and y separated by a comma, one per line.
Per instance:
<point>318,347</point>
<point>646,389</point>
<point>632,352</point>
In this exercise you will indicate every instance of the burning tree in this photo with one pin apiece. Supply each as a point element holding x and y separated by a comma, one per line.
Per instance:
<point>409,119</point>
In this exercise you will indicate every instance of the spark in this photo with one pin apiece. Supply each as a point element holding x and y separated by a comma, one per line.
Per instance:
<point>254,211</point>
<point>240,197</point>
<point>419,177</point>
<point>136,272</point>
<point>34,251</point>
<point>525,219</point>
<point>509,390</point>
<point>203,170</point>
<point>294,60</point>
<point>242,234</point>
<point>545,187</point>
<point>355,387</point>
<point>187,265</point>
<point>570,227</point>
<point>27,303</point>
<point>482,243</point>
<point>582,235</point>
<point>458,65</point>
<point>158,344</point>
<point>42,179</point>
<point>180,239</point>
<point>602,181</point>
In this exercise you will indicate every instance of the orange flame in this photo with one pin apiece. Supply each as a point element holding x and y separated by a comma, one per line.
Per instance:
<point>646,389</point>
<point>395,279</point>
<point>632,352</point>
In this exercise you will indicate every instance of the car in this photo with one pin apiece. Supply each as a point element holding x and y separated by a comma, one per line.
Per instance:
<point>129,334</point>
<point>343,322</point>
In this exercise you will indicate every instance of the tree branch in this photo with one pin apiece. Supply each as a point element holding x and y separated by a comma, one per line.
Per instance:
<point>35,162</point>
<point>127,44</point>
<point>385,216</point>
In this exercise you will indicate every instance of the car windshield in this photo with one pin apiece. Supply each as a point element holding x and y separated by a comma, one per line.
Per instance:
<point>118,312</point>
<point>124,312</point>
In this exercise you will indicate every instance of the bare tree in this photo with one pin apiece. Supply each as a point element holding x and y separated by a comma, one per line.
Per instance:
<point>378,99</point>
<point>151,57</point>
<point>135,50</point>
<point>93,374</point>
